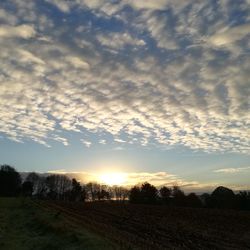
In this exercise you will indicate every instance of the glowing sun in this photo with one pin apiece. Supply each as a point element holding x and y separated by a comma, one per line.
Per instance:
<point>113,178</point>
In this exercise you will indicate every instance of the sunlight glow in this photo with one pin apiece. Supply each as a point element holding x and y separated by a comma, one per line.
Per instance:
<point>113,178</point>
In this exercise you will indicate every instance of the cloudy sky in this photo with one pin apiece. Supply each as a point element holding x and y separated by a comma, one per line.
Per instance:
<point>156,89</point>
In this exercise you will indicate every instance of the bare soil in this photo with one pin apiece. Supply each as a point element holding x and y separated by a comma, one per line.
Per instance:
<point>160,227</point>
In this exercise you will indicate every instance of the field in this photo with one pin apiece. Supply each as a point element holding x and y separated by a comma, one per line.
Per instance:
<point>96,225</point>
<point>158,227</point>
<point>24,226</point>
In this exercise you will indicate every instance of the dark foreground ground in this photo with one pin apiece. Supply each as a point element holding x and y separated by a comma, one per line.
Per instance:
<point>28,224</point>
<point>25,226</point>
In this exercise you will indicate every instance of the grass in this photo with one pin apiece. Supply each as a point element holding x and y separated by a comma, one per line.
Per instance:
<point>24,226</point>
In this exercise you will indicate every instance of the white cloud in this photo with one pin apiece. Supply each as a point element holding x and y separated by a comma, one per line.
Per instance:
<point>155,178</point>
<point>110,8</point>
<point>118,40</point>
<point>167,88</point>
<point>230,35</point>
<point>64,6</point>
<point>118,148</point>
<point>86,143</point>
<point>119,140</point>
<point>27,57</point>
<point>148,4</point>
<point>160,29</point>
<point>103,142</point>
<point>57,171</point>
<point>231,170</point>
<point>23,31</point>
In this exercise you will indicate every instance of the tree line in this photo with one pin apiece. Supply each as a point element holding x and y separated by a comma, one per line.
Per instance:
<point>56,187</point>
<point>61,187</point>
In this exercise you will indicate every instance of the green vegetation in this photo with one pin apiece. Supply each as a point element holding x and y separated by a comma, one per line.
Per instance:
<point>24,225</point>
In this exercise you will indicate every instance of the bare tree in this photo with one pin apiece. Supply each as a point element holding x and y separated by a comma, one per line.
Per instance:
<point>120,193</point>
<point>58,185</point>
<point>34,178</point>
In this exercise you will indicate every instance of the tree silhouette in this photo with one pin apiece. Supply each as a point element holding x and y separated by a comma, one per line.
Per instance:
<point>243,200</point>
<point>91,190</point>
<point>83,194</point>
<point>76,191</point>
<point>192,200</point>
<point>58,186</point>
<point>223,197</point>
<point>41,189</point>
<point>10,181</point>
<point>146,194</point>
<point>149,193</point>
<point>179,197</point>
<point>103,195</point>
<point>61,187</point>
<point>165,194</point>
<point>27,188</point>
<point>34,178</point>
<point>120,193</point>
<point>135,195</point>
<point>206,200</point>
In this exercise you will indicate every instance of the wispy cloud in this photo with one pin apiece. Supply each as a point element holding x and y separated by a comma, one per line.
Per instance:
<point>57,171</point>
<point>86,143</point>
<point>232,170</point>
<point>118,40</point>
<point>134,178</point>
<point>118,148</point>
<point>102,142</point>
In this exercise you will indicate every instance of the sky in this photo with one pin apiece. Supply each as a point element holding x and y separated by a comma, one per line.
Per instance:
<point>156,90</point>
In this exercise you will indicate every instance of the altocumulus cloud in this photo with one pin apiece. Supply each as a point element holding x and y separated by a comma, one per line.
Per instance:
<point>163,72</point>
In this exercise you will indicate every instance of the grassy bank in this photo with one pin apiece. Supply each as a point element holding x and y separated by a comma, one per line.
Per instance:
<point>24,225</point>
